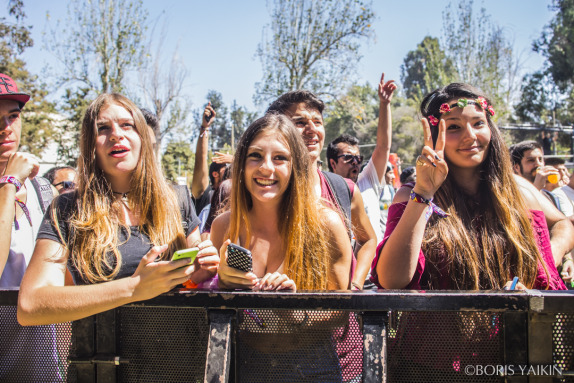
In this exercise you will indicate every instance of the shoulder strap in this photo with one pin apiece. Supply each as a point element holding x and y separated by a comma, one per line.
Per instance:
<point>183,198</point>
<point>342,194</point>
<point>44,191</point>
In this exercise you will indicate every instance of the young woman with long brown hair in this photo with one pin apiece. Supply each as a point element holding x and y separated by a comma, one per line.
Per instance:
<point>464,224</point>
<point>296,240</point>
<point>111,231</point>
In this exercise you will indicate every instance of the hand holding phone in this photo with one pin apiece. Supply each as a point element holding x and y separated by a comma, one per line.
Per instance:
<point>239,258</point>
<point>186,254</point>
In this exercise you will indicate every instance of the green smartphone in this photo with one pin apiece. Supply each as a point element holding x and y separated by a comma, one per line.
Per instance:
<point>186,253</point>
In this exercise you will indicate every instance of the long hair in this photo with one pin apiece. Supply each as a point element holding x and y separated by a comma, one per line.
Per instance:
<point>488,238</point>
<point>302,229</point>
<point>94,225</point>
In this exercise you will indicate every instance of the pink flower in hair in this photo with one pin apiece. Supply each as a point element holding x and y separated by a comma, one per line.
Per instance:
<point>433,120</point>
<point>482,102</point>
<point>490,110</point>
<point>444,108</point>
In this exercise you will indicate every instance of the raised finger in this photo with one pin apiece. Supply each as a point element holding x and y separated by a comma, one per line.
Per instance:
<point>439,148</point>
<point>427,133</point>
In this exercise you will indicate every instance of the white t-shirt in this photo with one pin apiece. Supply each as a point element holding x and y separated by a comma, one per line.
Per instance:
<point>22,241</point>
<point>370,187</point>
<point>565,195</point>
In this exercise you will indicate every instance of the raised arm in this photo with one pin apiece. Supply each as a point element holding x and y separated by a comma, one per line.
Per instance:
<point>398,259</point>
<point>382,149</point>
<point>21,166</point>
<point>200,180</point>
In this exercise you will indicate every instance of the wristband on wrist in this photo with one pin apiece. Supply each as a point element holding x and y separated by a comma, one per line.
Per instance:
<point>11,180</point>
<point>433,208</point>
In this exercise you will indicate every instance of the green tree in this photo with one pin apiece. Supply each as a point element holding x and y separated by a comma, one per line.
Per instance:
<point>98,45</point>
<point>15,38</point>
<point>540,100</point>
<point>481,54</point>
<point>240,119</point>
<point>355,113</point>
<point>557,44</point>
<point>311,44</point>
<point>425,69</point>
<point>178,160</point>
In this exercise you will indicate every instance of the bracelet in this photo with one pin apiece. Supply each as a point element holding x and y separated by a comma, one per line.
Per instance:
<point>433,208</point>
<point>11,180</point>
<point>567,258</point>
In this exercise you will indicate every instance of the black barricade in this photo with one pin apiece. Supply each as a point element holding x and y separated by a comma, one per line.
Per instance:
<point>374,336</point>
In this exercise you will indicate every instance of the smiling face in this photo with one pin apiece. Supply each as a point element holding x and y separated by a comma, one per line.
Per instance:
<point>267,167</point>
<point>10,129</point>
<point>118,144</point>
<point>467,136</point>
<point>309,122</point>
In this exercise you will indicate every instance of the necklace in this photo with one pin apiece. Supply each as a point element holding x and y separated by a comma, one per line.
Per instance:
<point>124,196</point>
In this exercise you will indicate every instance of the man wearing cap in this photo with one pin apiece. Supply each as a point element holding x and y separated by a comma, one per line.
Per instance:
<point>21,213</point>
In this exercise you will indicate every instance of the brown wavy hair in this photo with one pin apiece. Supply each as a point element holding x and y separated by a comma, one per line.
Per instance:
<point>488,238</point>
<point>93,241</point>
<point>302,228</point>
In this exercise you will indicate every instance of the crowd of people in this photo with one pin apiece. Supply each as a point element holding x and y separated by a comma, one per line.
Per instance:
<point>471,214</point>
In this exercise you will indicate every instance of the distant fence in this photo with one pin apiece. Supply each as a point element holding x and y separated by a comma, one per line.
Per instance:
<point>368,336</point>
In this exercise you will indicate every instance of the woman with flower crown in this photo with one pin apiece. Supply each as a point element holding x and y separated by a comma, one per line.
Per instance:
<point>463,225</point>
<point>464,222</point>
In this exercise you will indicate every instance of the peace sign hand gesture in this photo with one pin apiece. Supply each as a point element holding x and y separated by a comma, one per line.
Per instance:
<point>431,166</point>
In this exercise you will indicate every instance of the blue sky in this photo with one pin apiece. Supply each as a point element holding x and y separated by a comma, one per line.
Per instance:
<point>217,39</point>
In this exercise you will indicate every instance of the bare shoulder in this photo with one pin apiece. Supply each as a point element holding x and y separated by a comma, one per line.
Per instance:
<point>403,194</point>
<point>531,195</point>
<point>333,221</point>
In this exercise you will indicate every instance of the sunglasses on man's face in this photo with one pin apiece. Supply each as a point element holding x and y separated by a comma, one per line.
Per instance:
<point>66,184</point>
<point>348,158</point>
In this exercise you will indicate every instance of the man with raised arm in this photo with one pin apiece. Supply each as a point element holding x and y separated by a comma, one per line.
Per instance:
<point>344,158</point>
<point>205,180</point>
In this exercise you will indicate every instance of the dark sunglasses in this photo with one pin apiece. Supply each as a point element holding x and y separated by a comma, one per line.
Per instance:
<point>66,184</point>
<point>348,158</point>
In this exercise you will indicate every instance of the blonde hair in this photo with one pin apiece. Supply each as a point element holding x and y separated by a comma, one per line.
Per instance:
<point>93,241</point>
<point>302,229</point>
<point>489,238</point>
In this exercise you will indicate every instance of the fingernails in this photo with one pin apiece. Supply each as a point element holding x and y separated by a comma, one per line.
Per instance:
<point>437,157</point>
<point>433,164</point>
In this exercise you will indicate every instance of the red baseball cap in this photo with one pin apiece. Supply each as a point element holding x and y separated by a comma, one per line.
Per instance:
<point>9,91</point>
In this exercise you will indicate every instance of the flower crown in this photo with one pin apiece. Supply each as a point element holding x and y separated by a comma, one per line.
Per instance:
<point>461,103</point>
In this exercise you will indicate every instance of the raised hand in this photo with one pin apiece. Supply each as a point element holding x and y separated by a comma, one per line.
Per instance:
<point>431,166</point>
<point>208,117</point>
<point>386,90</point>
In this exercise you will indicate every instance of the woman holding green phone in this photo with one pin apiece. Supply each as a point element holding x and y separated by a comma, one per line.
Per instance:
<point>117,232</point>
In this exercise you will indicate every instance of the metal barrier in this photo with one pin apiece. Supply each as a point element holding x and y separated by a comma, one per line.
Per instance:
<point>369,336</point>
